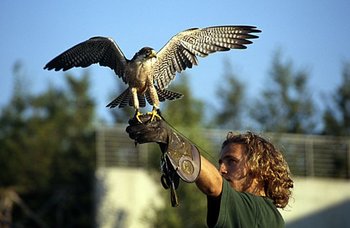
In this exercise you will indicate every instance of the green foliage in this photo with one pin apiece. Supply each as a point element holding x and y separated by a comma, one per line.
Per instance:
<point>285,104</point>
<point>337,115</point>
<point>47,154</point>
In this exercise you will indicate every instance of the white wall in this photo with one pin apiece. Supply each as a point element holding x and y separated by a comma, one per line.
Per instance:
<point>319,203</point>
<point>124,196</point>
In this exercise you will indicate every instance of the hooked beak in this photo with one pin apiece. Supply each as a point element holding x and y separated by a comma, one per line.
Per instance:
<point>153,54</point>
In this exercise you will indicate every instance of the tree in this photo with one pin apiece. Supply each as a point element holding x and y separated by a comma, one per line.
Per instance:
<point>336,117</point>
<point>285,104</point>
<point>231,94</point>
<point>47,155</point>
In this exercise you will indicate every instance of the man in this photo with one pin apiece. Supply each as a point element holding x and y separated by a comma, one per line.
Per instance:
<point>252,181</point>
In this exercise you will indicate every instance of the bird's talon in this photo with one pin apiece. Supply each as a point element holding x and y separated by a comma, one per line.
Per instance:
<point>154,114</point>
<point>137,116</point>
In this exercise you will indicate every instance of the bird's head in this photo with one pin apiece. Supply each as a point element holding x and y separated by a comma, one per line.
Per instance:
<point>145,53</point>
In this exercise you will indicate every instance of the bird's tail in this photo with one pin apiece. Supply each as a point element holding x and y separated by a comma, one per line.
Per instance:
<point>164,94</point>
<point>125,99</point>
<point>122,100</point>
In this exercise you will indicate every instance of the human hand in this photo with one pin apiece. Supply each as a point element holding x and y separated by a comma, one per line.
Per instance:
<point>148,131</point>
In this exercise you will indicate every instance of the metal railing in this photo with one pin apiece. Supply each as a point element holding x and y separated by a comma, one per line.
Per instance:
<point>307,155</point>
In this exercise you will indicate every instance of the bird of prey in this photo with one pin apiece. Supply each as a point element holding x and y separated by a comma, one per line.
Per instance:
<point>149,73</point>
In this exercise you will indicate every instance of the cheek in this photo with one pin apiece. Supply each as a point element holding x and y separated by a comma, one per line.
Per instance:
<point>237,172</point>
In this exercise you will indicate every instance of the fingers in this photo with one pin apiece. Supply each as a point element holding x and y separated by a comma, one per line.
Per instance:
<point>136,127</point>
<point>131,132</point>
<point>146,130</point>
<point>142,135</point>
<point>142,132</point>
<point>144,119</point>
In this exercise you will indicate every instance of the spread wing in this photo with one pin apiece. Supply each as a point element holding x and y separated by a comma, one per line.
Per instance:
<point>100,50</point>
<point>181,50</point>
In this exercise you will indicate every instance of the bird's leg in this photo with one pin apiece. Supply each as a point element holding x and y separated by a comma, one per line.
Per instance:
<point>154,97</point>
<point>155,113</point>
<point>137,115</point>
<point>136,104</point>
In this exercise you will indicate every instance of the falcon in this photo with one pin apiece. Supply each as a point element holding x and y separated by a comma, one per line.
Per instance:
<point>149,73</point>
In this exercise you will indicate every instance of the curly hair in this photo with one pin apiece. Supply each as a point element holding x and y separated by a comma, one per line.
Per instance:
<point>265,163</point>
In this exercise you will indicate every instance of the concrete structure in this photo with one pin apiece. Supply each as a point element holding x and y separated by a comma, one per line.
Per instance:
<point>319,203</point>
<point>124,197</point>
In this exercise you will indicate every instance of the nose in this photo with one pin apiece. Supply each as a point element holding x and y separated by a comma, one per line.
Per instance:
<point>222,168</point>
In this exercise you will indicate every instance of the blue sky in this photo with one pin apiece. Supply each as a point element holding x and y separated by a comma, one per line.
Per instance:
<point>313,34</point>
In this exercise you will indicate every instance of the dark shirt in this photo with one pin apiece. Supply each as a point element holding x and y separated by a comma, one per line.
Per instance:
<point>240,209</point>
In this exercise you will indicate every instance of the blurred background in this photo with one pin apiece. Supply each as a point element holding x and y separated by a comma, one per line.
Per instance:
<point>67,162</point>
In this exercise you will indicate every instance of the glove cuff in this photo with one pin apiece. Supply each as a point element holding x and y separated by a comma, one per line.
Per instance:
<point>184,157</point>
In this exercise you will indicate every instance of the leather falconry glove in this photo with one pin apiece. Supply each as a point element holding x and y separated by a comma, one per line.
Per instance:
<point>183,156</point>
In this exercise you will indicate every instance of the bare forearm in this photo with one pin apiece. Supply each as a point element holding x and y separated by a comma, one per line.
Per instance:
<point>209,180</point>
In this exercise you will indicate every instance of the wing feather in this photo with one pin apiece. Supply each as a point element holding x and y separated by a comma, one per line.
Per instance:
<point>182,50</point>
<point>101,50</point>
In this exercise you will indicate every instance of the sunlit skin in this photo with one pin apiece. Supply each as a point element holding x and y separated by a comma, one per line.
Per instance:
<point>232,167</point>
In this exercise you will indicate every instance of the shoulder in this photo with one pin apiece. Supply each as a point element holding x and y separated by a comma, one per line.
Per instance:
<point>245,209</point>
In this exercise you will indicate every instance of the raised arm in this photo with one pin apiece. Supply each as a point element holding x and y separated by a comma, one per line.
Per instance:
<point>184,156</point>
<point>209,180</point>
